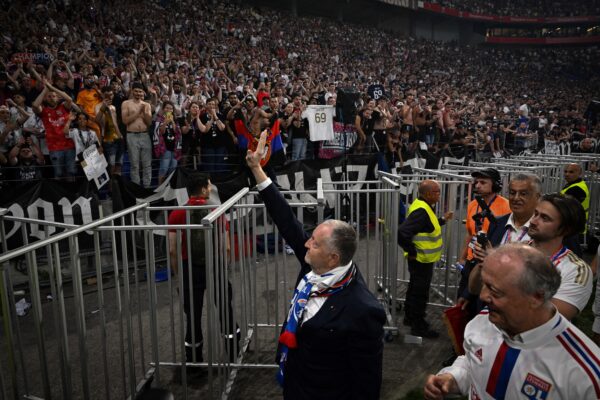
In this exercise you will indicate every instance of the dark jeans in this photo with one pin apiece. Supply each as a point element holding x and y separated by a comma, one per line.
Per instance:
<point>417,294</point>
<point>222,301</point>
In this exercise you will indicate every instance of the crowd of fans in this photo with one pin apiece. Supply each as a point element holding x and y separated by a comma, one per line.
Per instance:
<point>198,67</point>
<point>571,31</point>
<point>526,8</point>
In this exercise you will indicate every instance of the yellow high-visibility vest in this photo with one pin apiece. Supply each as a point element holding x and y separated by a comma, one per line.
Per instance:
<point>428,245</point>
<point>586,202</point>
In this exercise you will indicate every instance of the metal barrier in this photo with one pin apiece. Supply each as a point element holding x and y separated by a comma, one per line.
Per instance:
<point>130,329</point>
<point>455,194</point>
<point>549,168</point>
<point>557,164</point>
<point>68,371</point>
<point>372,208</point>
<point>126,328</point>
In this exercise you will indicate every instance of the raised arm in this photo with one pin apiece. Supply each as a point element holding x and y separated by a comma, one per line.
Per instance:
<point>68,100</point>
<point>37,103</point>
<point>279,209</point>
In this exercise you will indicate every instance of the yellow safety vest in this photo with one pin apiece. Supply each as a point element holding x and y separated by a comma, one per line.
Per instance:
<point>586,202</point>
<point>428,245</point>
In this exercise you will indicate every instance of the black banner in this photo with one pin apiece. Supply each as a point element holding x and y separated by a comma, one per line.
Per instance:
<point>52,201</point>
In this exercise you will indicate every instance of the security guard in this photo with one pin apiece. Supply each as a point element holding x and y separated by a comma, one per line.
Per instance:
<point>421,237</point>
<point>576,186</point>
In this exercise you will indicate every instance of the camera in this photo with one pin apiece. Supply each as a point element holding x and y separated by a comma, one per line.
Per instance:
<point>482,239</point>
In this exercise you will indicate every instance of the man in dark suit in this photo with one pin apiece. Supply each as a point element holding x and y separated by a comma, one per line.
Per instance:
<point>331,346</point>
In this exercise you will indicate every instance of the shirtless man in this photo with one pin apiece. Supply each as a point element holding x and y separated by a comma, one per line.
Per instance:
<point>420,115</point>
<point>137,117</point>
<point>407,120</point>
<point>382,123</point>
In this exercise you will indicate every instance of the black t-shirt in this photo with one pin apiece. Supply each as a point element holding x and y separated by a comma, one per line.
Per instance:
<point>192,138</point>
<point>299,131</point>
<point>214,137</point>
<point>28,172</point>
<point>367,124</point>
<point>169,137</point>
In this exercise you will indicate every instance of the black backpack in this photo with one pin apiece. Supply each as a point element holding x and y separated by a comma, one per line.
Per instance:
<point>197,243</point>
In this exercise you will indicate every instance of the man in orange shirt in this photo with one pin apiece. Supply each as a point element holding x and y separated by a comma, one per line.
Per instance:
<point>88,98</point>
<point>487,183</point>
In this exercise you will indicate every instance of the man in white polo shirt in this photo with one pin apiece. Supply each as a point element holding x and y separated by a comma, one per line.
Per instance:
<point>520,346</point>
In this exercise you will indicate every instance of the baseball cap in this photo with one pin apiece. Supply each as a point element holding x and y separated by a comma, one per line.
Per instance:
<point>490,173</point>
<point>250,98</point>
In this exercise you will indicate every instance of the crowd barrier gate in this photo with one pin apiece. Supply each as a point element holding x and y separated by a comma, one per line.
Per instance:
<point>455,192</point>
<point>125,330</point>
<point>128,331</point>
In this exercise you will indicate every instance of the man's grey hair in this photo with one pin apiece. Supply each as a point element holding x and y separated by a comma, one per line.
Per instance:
<point>343,240</point>
<point>534,180</point>
<point>539,275</point>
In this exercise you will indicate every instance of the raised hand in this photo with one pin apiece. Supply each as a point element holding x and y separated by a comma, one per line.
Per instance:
<point>256,158</point>
<point>253,157</point>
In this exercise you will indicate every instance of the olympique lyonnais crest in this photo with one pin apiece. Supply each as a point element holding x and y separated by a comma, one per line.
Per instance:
<point>267,151</point>
<point>535,388</point>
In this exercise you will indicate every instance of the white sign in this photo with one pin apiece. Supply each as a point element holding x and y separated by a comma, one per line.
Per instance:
<point>94,165</point>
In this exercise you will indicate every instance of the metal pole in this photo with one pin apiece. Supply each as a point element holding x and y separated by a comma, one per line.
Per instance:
<point>102,310</point>
<point>152,299</point>
<point>38,318</point>
<point>127,313</point>
<point>7,311</point>
<point>60,318</point>
<point>80,312</point>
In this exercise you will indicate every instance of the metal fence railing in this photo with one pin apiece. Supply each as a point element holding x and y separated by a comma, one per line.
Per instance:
<point>107,313</point>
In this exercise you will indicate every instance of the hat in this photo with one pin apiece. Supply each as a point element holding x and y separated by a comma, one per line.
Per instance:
<point>250,98</point>
<point>490,173</point>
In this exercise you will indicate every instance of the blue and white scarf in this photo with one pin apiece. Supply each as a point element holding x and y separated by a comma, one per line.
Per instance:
<point>311,285</point>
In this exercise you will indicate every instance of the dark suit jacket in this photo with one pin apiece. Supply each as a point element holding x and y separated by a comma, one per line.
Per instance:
<point>496,231</point>
<point>340,349</point>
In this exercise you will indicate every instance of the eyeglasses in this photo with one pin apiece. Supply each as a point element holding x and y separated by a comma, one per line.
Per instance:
<point>524,194</point>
